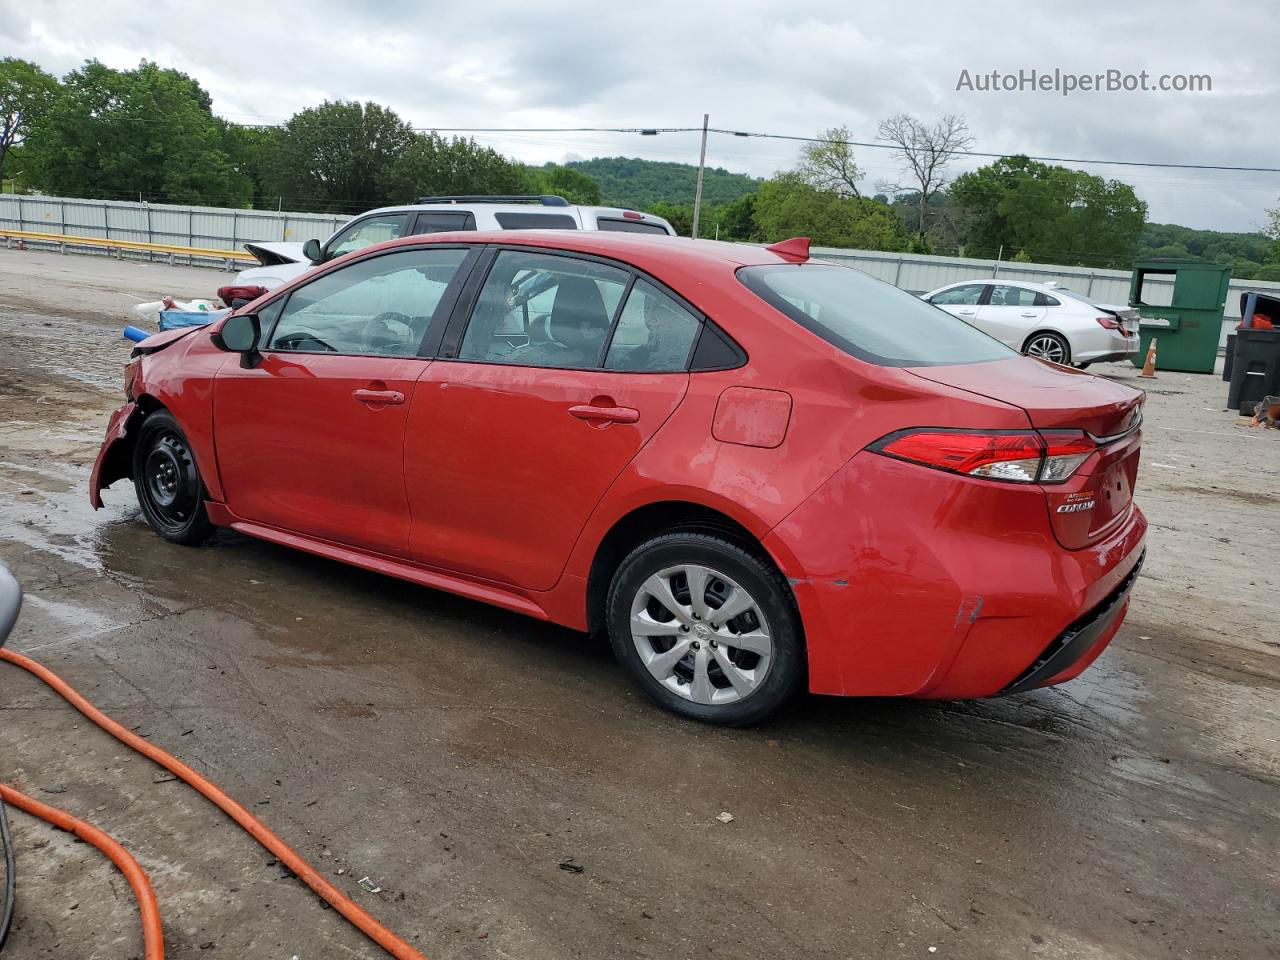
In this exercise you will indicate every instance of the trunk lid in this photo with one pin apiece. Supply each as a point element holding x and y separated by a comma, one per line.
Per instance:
<point>274,254</point>
<point>1054,397</point>
<point>1098,497</point>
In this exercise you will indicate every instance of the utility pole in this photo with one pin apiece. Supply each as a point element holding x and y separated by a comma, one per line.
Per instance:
<point>702,163</point>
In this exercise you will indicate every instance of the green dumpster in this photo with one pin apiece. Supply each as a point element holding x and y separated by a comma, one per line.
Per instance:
<point>1189,329</point>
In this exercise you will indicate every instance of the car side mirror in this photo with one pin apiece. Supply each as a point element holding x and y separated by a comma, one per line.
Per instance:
<point>311,250</point>
<point>240,334</point>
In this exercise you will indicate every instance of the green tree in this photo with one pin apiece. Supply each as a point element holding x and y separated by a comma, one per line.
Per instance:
<point>738,219</point>
<point>1055,214</point>
<point>568,182</point>
<point>124,133</point>
<point>437,166</point>
<point>26,93</point>
<point>253,152</point>
<point>787,206</point>
<point>828,163</point>
<point>339,156</point>
<point>638,184</point>
<point>679,215</point>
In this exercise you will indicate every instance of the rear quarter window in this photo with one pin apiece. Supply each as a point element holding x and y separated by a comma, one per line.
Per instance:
<point>519,220</point>
<point>868,318</point>
<point>629,226</point>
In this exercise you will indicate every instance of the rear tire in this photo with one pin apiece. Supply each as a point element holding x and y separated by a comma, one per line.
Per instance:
<point>663,612</point>
<point>1048,346</point>
<point>168,483</point>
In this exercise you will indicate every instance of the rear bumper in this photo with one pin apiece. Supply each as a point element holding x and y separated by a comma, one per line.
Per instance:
<point>1109,347</point>
<point>912,582</point>
<point>1078,645</point>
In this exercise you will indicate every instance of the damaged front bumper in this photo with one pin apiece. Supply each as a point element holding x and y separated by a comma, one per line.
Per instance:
<point>113,459</point>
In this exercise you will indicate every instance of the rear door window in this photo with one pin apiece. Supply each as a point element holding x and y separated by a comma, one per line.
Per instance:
<point>654,333</point>
<point>542,310</point>
<point>520,220</point>
<point>1002,296</point>
<point>868,318</point>
<point>444,222</point>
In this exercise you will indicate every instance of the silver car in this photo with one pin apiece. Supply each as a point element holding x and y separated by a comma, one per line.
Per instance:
<point>1043,320</point>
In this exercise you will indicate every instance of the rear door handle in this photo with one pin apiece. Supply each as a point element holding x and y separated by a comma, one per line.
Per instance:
<point>1033,315</point>
<point>378,396</point>
<point>965,313</point>
<point>590,412</point>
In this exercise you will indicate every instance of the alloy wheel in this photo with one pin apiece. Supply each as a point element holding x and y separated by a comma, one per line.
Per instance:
<point>1047,348</point>
<point>701,635</point>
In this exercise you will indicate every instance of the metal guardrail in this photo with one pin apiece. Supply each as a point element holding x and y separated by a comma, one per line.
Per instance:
<point>62,242</point>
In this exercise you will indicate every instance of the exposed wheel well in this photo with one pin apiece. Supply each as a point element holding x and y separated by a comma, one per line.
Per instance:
<point>650,521</point>
<point>119,462</point>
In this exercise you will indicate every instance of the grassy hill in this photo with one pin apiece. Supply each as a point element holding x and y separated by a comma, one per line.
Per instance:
<point>632,182</point>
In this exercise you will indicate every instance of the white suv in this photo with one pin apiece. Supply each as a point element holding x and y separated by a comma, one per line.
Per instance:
<point>282,262</point>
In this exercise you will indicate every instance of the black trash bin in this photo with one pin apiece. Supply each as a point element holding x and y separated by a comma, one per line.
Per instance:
<point>1254,358</point>
<point>1255,371</point>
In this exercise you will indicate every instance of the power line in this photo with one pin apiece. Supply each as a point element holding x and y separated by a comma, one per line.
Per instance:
<point>872,145</point>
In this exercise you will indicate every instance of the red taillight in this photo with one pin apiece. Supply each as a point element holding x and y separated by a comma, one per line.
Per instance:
<point>241,292</point>
<point>1110,322</point>
<point>632,215</point>
<point>1020,457</point>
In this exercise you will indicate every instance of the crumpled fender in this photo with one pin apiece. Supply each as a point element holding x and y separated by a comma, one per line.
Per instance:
<point>158,341</point>
<point>113,458</point>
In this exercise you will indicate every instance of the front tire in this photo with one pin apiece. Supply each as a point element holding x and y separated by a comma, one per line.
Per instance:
<point>168,483</point>
<point>1048,346</point>
<point>709,630</point>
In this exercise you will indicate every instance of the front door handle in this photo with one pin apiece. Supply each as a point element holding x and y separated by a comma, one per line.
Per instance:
<point>965,313</point>
<point>599,414</point>
<point>378,396</point>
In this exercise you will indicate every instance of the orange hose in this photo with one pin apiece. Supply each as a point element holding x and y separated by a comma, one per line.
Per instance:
<point>152,935</point>
<point>358,917</point>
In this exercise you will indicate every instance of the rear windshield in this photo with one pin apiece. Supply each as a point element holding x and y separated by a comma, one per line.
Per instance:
<point>536,221</point>
<point>629,226</point>
<point>868,318</point>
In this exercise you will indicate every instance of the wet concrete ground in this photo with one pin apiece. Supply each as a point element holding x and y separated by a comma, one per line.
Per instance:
<point>455,754</point>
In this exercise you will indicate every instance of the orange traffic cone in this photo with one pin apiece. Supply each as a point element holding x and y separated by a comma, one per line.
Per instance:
<point>1149,368</point>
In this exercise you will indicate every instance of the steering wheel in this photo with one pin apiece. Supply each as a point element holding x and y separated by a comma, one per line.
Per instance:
<point>379,332</point>
<point>293,339</point>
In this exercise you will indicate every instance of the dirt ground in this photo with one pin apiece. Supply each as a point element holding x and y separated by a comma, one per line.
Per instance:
<point>454,754</point>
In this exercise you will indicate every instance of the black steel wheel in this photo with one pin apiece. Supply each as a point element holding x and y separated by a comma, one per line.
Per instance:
<point>168,482</point>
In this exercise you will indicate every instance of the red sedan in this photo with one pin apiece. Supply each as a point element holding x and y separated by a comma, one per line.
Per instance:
<point>752,471</point>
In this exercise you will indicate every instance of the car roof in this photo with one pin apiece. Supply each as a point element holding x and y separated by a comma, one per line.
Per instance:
<point>514,207</point>
<point>644,250</point>
<point>1003,282</point>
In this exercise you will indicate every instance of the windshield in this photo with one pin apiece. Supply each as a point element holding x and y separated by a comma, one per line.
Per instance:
<point>868,318</point>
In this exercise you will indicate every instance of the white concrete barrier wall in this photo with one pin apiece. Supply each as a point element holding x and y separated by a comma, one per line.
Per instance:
<point>228,229</point>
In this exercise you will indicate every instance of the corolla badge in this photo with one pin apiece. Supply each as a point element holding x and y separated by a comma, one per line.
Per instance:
<point>1078,506</point>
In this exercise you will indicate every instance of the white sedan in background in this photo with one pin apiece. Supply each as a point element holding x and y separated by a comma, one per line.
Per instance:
<point>1043,320</point>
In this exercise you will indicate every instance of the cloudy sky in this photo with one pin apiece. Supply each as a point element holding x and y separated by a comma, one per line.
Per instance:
<point>753,65</point>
